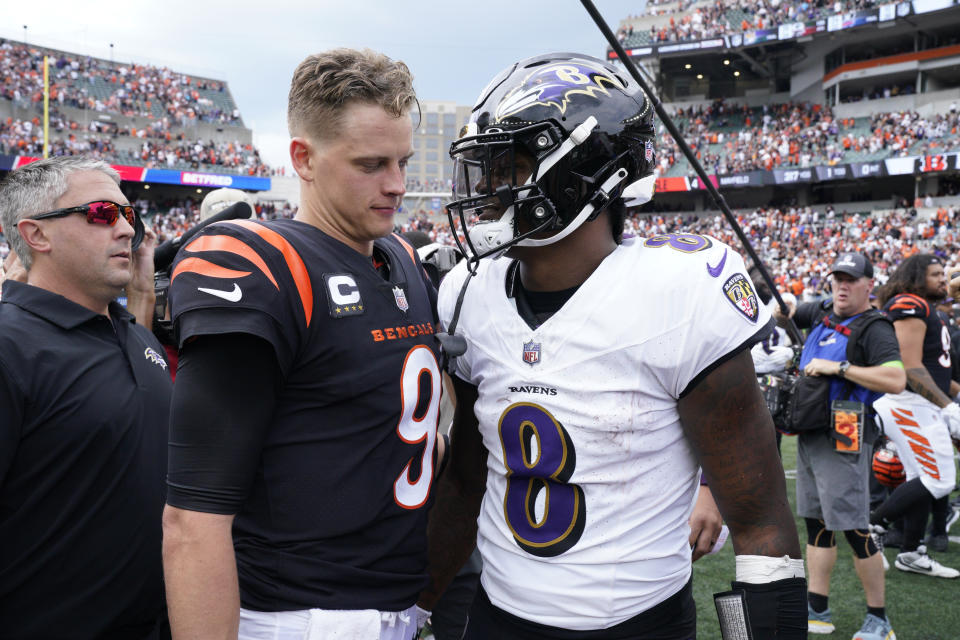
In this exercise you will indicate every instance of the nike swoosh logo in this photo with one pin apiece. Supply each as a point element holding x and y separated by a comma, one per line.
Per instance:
<point>717,270</point>
<point>229,296</point>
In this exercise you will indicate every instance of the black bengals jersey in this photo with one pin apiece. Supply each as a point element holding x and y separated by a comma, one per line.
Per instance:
<point>936,341</point>
<point>336,516</point>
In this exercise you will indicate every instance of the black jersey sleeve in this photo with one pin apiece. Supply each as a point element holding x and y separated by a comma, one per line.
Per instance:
<point>222,404</point>
<point>241,277</point>
<point>907,305</point>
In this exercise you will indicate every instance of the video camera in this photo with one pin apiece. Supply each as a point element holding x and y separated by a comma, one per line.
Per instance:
<point>777,388</point>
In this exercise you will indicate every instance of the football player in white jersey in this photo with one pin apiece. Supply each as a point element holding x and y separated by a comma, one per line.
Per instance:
<point>595,375</point>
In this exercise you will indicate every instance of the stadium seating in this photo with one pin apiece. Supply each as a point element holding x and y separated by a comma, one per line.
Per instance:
<point>156,115</point>
<point>676,22</point>
<point>810,134</point>
<point>141,90</point>
<point>121,146</point>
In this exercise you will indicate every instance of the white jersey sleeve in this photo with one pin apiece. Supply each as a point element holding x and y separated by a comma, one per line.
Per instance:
<point>710,308</point>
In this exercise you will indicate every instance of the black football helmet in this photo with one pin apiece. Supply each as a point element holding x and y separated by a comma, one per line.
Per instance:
<point>552,141</point>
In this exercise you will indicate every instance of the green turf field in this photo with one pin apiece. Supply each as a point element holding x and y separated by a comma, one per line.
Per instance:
<point>919,607</point>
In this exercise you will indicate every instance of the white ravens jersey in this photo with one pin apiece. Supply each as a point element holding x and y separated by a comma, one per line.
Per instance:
<point>590,480</point>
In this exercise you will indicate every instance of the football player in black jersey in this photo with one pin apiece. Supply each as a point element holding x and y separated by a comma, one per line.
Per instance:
<point>922,419</point>
<point>303,429</point>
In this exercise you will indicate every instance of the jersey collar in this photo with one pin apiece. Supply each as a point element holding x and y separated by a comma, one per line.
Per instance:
<point>55,308</point>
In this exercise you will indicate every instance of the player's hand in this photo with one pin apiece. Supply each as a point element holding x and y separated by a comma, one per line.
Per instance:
<point>953,282</point>
<point>12,269</point>
<point>705,524</point>
<point>821,367</point>
<point>951,415</point>
<point>790,301</point>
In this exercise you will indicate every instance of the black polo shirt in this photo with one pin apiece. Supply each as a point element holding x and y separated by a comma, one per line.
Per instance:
<point>84,406</point>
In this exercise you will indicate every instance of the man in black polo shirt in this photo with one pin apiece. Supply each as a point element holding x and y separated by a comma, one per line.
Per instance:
<point>85,397</point>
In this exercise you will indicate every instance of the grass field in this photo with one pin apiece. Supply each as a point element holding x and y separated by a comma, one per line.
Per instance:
<point>919,607</point>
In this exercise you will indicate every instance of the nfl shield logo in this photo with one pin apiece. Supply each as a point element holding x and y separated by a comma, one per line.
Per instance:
<point>401,299</point>
<point>648,151</point>
<point>531,352</point>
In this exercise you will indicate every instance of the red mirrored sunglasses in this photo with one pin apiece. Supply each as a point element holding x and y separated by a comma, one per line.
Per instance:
<point>102,212</point>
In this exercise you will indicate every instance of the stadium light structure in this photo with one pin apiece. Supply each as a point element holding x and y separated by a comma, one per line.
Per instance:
<point>694,162</point>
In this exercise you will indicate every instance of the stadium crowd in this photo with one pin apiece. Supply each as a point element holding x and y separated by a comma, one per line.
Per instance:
<point>721,18</point>
<point>436,185</point>
<point>132,89</point>
<point>171,218</point>
<point>880,91</point>
<point>798,243</point>
<point>159,147</point>
<point>737,138</point>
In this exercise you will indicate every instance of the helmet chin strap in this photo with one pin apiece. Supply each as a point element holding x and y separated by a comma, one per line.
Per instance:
<point>577,136</point>
<point>616,178</point>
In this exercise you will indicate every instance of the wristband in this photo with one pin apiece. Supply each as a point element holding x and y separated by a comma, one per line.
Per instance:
<point>776,609</point>
<point>763,569</point>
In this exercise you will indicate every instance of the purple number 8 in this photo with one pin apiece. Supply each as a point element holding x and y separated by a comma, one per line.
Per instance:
<point>540,458</point>
<point>686,242</point>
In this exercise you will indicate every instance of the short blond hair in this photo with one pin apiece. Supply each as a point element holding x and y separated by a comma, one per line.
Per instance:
<point>326,83</point>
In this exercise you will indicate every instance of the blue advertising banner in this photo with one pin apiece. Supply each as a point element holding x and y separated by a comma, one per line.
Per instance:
<point>197,179</point>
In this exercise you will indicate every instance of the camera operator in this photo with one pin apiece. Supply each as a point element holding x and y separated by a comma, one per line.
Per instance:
<point>853,350</point>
